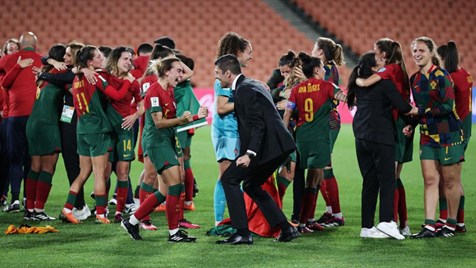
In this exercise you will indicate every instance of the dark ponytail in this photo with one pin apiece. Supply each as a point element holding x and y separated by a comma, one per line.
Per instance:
<point>362,70</point>
<point>309,64</point>
<point>450,56</point>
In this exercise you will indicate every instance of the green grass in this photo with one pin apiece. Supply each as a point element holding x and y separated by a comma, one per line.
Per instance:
<point>89,244</point>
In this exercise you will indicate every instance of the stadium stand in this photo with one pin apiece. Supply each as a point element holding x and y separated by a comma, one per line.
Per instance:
<point>196,27</point>
<point>360,23</point>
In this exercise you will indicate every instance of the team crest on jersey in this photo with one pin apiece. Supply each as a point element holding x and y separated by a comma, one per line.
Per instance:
<point>433,85</point>
<point>154,101</point>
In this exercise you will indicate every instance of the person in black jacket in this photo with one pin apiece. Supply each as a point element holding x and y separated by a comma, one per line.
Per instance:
<point>374,133</point>
<point>265,145</point>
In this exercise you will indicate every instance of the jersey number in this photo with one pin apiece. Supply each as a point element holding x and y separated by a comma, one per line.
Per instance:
<point>82,101</point>
<point>127,145</point>
<point>309,109</point>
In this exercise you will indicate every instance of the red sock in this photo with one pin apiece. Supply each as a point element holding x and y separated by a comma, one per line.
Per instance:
<point>402,207</point>
<point>148,206</point>
<point>101,203</point>
<point>333,190</point>
<point>188,184</point>
<point>121,195</point>
<point>181,204</point>
<point>31,183</point>
<point>324,192</point>
<point>172,206</point>
<point>43,189</point>
<point>144,192</point>
<point>460,215</point>
<point>308,203</point>
<point>395,204</point>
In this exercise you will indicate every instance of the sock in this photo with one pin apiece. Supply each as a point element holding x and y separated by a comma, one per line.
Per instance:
<point>333,191</point>
<point>101,203</point>
<point>310,194</point>
<point>188,181</point>
<point>174,231</point>
<point>443,208</point>
<point>219,201</point>
<point>31,183</point>
<point>451,224</point>
<point>283,184</point>
<point>430,224</point>
<point>71,200</point>
<point>323,188</point>
<point>312,210</point>
<point>148,206</point>
<point>133,220</point>
<point>402,204</point>
<point>144,192</point>
<point>460,216</point>
<point>173,206</point>
<point>122,188</point>
<point>43,189</point>
<point>181,203</point>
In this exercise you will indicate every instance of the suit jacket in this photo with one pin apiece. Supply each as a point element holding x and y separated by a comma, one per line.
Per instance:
<point>373,120</point>
<point>260,127</point>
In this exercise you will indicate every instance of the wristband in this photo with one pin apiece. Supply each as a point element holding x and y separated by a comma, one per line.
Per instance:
<point>195,117</point>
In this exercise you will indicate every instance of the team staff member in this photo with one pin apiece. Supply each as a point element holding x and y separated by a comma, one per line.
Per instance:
<point>463,86</point>
<point>374,133</point>
<point>311,99</point>
<point>331,55</point>
<point>93,131</point>
<point>265,145</point>
<point>159,149</point>
<point>388,53</point>
<point>441,136</point>
<point>19,81</point>
<point>11,47</point>
<point>118,66</point>
<point>225,137</point>
<point>44,141</point>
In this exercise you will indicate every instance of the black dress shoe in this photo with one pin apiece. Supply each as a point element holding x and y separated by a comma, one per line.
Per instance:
<point>237,239</point>
<point>288,234</point>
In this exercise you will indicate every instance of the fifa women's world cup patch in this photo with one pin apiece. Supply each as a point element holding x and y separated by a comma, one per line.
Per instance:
<point>154,101</point>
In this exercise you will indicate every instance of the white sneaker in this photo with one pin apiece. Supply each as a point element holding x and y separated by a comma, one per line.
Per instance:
<point>82,214</point>
<point>406,231</point>
<point>372,233</point>
<point>130,208</point>
<point>113,201</point>
<point>390,229</point>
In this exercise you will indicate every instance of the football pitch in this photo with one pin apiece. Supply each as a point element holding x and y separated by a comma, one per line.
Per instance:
<point>94,245</point>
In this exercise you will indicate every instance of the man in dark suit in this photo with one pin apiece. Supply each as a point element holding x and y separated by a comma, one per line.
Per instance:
<point>265,145</point>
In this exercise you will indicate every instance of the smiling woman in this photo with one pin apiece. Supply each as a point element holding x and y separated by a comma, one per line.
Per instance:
<point>441,136</point>
<point>159,146</point>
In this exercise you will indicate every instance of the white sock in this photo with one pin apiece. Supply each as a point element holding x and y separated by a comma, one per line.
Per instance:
<point>174,231</point>
<point>188,203</point>
<point>133,220</point>
<point>337,215</point>
<point>39,210</point>
<point>67,210</point>
<point>217,222</point>
<point>329,209</point>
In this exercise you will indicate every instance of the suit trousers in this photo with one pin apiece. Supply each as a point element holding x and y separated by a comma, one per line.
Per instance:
<point>377,166</point>
<point>252,178</point>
